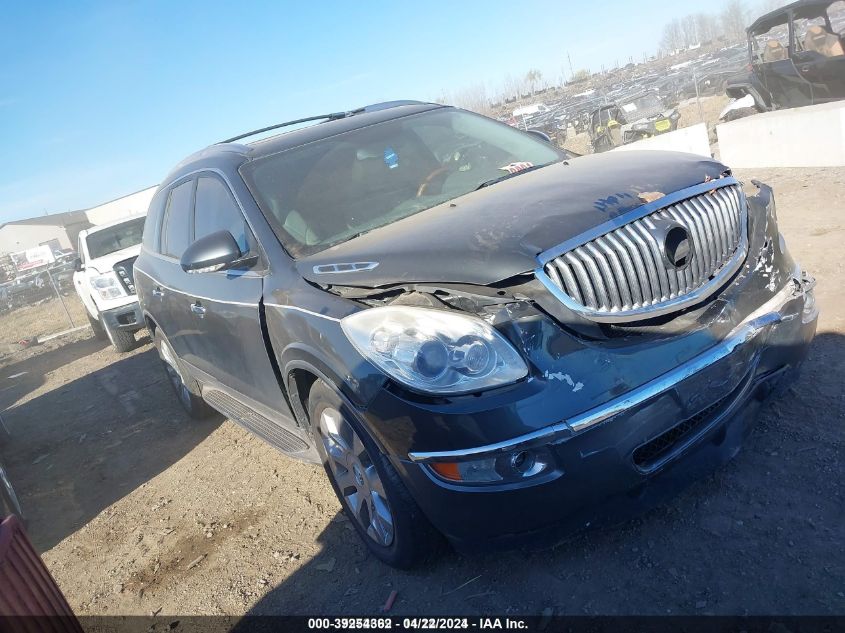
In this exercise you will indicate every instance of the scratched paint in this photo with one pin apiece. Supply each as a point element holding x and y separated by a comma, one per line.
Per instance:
<point>557,375</point>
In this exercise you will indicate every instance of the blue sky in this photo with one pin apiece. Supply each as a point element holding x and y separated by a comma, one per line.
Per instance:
<point>98,100</point>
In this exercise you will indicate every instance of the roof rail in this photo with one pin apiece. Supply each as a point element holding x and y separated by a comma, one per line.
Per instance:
<point>321,117</point>
<point>325,117</point>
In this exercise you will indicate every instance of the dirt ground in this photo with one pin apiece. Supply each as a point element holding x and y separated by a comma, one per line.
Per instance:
<point>137,510</point>
<point>42,319</point>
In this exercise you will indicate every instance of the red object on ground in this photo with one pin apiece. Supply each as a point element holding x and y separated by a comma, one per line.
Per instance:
<point>26,587</point>
<point>390,600</point>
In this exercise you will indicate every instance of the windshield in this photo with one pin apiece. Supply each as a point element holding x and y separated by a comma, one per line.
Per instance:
<point>115,238</point>
<point>642,105</point>
<point>332,190</point>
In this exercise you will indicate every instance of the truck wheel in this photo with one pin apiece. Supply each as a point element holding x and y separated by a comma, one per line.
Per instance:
<point>193,405</point>
<point>97,327</point>
<point>373,496</point>
<point>121,340</point>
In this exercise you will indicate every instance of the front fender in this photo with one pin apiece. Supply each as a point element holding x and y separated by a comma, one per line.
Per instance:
<point>317,344</point>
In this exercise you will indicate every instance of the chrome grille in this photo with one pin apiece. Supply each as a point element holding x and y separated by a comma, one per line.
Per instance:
<point>624,274</point>
<point>125,271</point>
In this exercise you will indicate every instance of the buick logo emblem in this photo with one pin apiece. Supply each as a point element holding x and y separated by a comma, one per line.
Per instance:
<point>677,247</point>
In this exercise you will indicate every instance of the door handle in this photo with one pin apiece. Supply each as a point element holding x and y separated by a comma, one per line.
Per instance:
<point>805,68</point>
<point>198,309</point>
<point>158,292</point>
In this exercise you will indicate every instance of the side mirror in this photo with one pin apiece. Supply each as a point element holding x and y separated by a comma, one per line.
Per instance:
<point>216,251</point>
<point>77,264</point>
<point>540,135</point>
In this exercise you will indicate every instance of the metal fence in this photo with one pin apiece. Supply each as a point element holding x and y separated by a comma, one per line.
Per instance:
<point>37,306</point>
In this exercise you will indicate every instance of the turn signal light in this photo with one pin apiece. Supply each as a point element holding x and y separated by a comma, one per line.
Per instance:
<point>504,468</point>
<point>447,470</point>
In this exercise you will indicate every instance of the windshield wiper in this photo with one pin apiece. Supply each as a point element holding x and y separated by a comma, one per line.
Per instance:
<point>493,181</point>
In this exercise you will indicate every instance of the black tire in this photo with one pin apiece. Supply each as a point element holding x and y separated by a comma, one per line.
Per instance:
<point>121,340</point>
<point>414,539</point>
<point>193,405</point>
<point>97,328</point>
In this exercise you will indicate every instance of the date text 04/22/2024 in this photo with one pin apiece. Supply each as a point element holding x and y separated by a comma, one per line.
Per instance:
<point>424,623</point>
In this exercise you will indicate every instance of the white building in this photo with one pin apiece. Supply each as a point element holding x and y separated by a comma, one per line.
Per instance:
<point>133,204</point>
<point>59,230</point>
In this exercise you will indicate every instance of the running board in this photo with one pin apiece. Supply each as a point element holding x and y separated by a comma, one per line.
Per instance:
<point>254,422</point>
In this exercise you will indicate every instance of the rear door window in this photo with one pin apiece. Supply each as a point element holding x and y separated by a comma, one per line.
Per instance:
<point>176,230</point>
<point>216,210</point>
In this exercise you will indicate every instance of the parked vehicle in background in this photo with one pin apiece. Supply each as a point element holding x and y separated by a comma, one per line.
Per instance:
<point>104,280</point>
<point>63,268</point>
<point>629,120</point>
<point>30,599</point>
<point>28,288</point>
<point>797,58</point>
<point>480,337</point>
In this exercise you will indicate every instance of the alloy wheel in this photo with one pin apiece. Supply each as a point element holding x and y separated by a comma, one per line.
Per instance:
<point>356,477</point>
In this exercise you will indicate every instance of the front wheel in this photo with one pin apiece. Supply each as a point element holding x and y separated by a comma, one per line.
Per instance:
<point>121,340</point>
<point>97,327</point>
<point>373,496</point>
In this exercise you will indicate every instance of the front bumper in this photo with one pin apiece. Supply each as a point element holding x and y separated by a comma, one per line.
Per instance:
<point>635,450</point>
<point>128,317</point>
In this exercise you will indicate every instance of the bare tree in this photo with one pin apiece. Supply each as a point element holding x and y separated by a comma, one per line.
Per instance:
<point>672,38</point>
<point>769,5</point>
<point>689,31</point>
<point>580,75</point>
<point>734,20</point>
<point>707,27</point>
<point>472,97</point>
<point>511,87</point>
<point>532,78</point>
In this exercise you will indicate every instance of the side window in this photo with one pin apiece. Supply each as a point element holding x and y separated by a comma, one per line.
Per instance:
<point>176,230</point>
<point>151,228</point>
<point>216,210</point>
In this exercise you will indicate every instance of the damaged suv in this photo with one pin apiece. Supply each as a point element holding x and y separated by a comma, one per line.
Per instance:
<point>478,336</point>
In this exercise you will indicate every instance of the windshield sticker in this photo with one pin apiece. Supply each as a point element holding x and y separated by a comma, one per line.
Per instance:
<point>513,168</point>
<point>390,158</point>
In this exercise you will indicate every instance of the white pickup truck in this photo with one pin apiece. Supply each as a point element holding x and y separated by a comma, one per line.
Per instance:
<point>104,281</point>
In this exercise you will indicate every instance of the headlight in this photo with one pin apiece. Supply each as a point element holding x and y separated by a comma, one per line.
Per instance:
<point>108,286</point>
<point>434,351</point>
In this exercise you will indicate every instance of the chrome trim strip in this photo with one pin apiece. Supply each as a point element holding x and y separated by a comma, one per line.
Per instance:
<point>658,283</point>
<point>237,303</point>
<point>765,316</point>
<point>657,386</point>
<point>193,295</point>
<point>343,267</point>
<point>298,309</point>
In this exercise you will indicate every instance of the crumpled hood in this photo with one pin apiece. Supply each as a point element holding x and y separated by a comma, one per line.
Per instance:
<point>497,232</point>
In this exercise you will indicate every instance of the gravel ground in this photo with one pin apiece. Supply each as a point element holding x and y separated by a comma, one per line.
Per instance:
<point>138,510</point>
<point>27,323</point>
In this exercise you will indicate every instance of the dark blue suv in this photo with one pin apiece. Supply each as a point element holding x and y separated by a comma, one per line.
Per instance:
<point>478,335</point>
